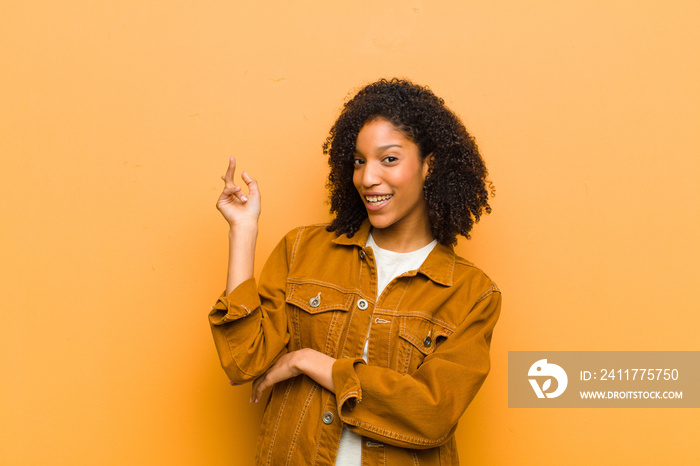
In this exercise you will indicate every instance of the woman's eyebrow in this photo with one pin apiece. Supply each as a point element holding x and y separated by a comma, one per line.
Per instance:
<point>379,149</point>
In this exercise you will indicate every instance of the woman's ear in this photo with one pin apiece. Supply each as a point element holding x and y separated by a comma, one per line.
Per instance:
<point>427,163</point>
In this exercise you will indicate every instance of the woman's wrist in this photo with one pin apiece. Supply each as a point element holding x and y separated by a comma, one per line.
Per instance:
<point>241,261</point>
<point>301,360</point>
<point>242,229</point>
<point>316,365</point>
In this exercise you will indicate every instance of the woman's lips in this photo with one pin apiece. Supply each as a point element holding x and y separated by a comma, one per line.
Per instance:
<point>376,202</point>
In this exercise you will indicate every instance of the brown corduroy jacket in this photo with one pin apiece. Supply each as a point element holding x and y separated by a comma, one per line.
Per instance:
<point>428,355</point>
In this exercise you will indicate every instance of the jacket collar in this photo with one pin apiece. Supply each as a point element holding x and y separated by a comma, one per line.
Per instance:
<point>438,266</point>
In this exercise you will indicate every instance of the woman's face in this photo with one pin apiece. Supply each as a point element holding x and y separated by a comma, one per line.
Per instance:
<point>389,176</point>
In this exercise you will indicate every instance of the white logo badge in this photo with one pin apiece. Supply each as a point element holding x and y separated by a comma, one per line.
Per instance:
<point>543,369</point>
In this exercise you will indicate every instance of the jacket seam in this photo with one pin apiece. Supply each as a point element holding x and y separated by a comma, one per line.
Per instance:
<point>407,360</point>
<point>350,314</point>
<point>294,316</point>
<point>357,291</point>
<point>388,342</point>
<point>325,408</point>
<point>466,263</point>
<point>415,458</point>
<point>279,418</point>
<point>403,293</point>
<point>295,246</point>
<point>388,357</point>
<point>397,435</point>
<point>487,293</point>
<point>452,270</point>
<point>419,314</point>
<point>303,281</point>
<point>304,410</point>
<point>331,331</point>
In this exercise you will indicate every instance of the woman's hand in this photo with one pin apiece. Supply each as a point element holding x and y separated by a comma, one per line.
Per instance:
<point>307,361</point>
<point>284,368</point>
<point>239,209</point>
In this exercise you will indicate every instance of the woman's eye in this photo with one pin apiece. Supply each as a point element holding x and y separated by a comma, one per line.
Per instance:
<point>358,162</point>
<point>390,159</point>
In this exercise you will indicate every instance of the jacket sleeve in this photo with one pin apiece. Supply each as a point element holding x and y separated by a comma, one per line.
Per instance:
<point>249,325</point>
<point>421,409</point>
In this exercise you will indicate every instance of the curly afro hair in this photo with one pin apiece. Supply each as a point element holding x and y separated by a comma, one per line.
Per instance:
<point>456,189</point>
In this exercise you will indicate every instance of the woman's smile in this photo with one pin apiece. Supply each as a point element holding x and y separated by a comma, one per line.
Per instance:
<point>377,201</point>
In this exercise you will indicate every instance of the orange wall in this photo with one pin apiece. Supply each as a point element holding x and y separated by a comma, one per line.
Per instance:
<point>117,119</point>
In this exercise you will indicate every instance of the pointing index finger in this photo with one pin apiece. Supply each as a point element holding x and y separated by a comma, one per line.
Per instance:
<point>231,169</point>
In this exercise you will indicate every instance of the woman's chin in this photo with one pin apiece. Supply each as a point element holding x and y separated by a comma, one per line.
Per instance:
<point>379,223</point>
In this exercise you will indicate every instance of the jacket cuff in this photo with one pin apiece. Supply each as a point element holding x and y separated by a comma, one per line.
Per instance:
<point>243,300</point>
<point>348,390</point>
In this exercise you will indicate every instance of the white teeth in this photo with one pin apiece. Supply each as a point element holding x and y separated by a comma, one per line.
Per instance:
<point>376,200</point>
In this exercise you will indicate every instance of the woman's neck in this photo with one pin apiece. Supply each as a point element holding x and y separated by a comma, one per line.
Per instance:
<point>402,239</point>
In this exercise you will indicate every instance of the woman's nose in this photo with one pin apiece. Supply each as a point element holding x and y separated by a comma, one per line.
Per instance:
<point>370,175</point>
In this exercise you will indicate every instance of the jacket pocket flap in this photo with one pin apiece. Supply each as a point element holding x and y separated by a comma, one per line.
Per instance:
<point>423,333</point>
<point>315,298</point>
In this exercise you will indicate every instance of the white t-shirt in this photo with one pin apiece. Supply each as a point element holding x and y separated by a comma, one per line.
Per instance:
<point>390,265</point>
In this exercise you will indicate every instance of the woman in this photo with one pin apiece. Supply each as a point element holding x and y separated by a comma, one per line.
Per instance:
<point>372,333</point>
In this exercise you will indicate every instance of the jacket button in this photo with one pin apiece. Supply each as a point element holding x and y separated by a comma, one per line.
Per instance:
<point>428,341</point>
<point>327,417</point>
<point>362,304</point>
<point>315,301</point>
<point>362,255</point>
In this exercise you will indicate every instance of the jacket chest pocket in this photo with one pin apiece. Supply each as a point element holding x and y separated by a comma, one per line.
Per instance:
<point>316,315</point>
<point>418,337</point>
